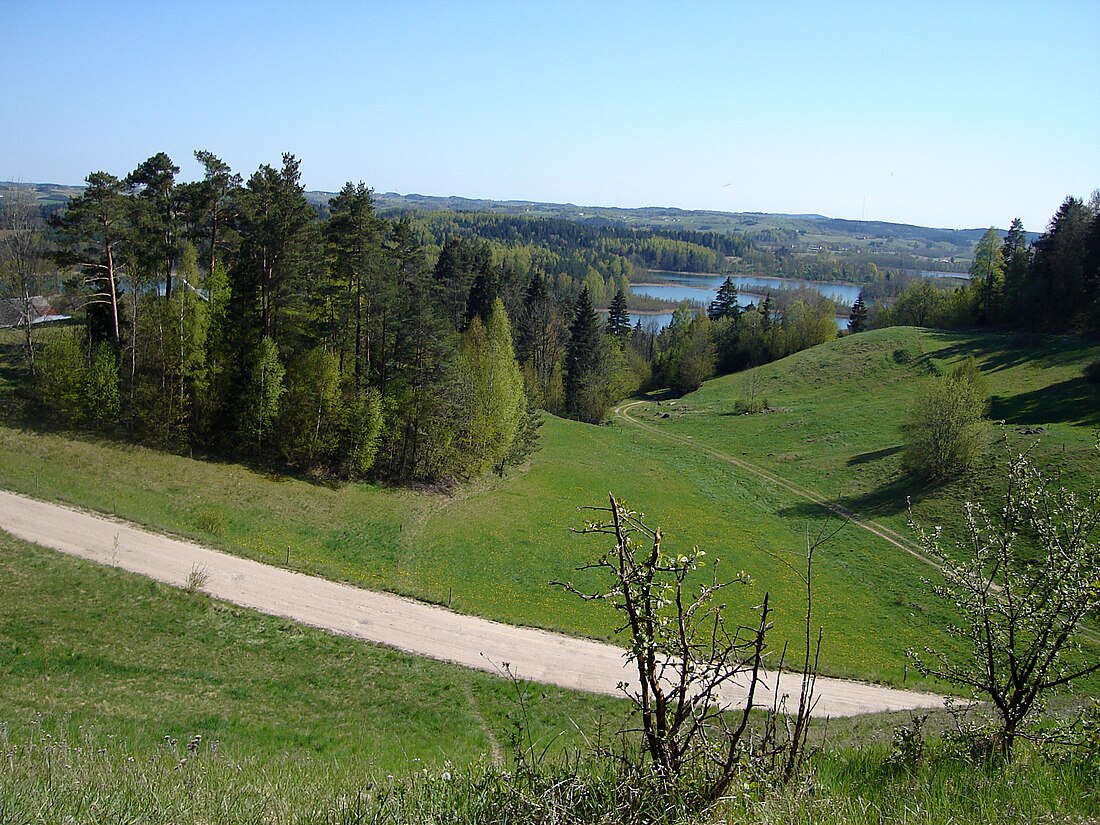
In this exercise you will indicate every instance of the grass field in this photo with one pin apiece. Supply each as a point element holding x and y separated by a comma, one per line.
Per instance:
<point>837,419</point>
<point>107,678</point>
<point>87,647</point>
<point>191,710</point>
<point>492,548</point>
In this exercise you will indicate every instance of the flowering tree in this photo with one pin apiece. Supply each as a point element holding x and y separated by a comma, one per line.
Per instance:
<point>1022,582</point>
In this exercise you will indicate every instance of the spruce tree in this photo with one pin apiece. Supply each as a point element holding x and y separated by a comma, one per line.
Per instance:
<point>582,362</point>
<point>483,293</point>
<point>725,303</point>
<point>857,320</point>
<point>618,318</point>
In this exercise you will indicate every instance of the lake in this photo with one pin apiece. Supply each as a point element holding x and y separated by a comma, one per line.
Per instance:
<point>751,289</point>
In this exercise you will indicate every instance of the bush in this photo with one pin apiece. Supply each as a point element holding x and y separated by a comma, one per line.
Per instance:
<point>943,424</point>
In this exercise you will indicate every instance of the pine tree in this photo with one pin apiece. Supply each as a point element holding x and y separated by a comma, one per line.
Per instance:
<point>155,216</point>
<point>1058,290</point>
<point>484,291</point>
<point>725,303</point>
<point>857,320</point>
<point>618,318</point>
<point>95,232</point>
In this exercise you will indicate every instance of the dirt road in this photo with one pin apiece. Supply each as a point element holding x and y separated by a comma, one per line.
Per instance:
<point>422,629</point>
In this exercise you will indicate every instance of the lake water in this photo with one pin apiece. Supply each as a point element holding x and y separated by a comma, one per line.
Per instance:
<point>751,289</point>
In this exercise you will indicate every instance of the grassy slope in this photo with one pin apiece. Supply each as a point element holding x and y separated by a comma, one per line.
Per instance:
<point>84,646</point>
<point>299,726</point>
<point>492,549</point>
<point>838,425</point>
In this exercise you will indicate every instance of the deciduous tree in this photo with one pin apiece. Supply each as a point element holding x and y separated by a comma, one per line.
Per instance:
<point>1022,579</point>
<point>942,425</point>
<point>23,251</point>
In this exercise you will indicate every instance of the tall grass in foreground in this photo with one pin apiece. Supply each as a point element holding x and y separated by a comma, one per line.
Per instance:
<point>86,776</point>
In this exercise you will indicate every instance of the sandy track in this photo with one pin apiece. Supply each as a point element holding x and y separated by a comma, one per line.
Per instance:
<point>415,627</point>
<point>862,522</point>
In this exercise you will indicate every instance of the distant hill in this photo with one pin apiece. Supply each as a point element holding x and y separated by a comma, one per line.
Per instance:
<point>803,232</point>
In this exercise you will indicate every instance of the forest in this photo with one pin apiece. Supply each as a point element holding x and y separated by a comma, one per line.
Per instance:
<point>232,317</point>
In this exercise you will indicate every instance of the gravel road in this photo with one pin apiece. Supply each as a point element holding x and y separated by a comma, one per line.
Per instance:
<point>415,627</point>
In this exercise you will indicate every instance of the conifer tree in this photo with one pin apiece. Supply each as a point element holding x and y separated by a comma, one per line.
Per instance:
<point>725,303</point>
<point>94,231</point>
<point>857,319</point>
<point>155,216</point>
<point>583,393</point>
<point>484,291</point>
<point>618,317</point>
<point>213,199</point>
<point>1017,261</point>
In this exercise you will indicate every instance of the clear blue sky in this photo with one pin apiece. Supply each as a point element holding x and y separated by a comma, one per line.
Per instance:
<point>959,114</point>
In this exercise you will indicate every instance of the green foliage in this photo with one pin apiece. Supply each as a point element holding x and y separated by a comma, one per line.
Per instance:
<point>81,389</point>
<point>491,400</point>
<point>1018,616</point>
<point>725,303</point>
<point>311,411</point>
<point>689,359</point>
<point>60,375</point>
<point>943,437</point>
<point>263,394</point>
<point>101,400</point>
<point>360,431</point>
<point>834,427</point>
<point>858,319</point>
<point>987,277</point>
<point>618,318</point>
<point>585,392</point>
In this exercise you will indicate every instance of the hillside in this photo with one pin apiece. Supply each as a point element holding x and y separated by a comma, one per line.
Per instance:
<point>290,719</point>
<point>799,231</point>
<point>803,232</point>
<point>492,547</point>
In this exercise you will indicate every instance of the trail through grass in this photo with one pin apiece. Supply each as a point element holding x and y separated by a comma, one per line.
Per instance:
<point>492,549</point>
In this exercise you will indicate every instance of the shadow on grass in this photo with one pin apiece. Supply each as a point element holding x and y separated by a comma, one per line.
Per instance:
<point>26,416</point>
<point>864,458</point>
<point>1076,401</point>
<point>887,500</point>
<point>996,352</point>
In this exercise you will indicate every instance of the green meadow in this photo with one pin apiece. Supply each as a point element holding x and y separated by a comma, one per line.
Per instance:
<point>108,678</point>
<point>493,546</point>
<point>86,647</point>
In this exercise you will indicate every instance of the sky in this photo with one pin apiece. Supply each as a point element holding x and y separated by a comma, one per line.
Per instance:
<point>950,114</point>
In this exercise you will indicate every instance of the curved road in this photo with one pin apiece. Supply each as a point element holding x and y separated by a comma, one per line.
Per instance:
<point>415,627</point>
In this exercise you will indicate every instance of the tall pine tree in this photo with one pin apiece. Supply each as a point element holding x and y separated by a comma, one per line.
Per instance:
<point>857,319</point>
